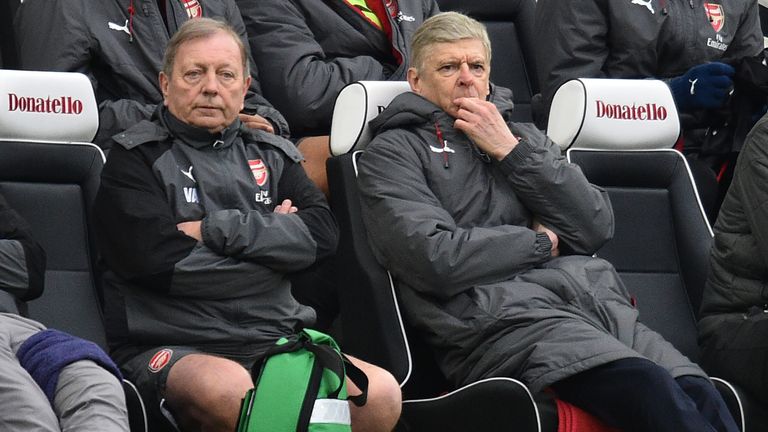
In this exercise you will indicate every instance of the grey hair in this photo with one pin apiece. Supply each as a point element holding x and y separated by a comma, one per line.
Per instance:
<point>446,27</point>
<point>201,28</point>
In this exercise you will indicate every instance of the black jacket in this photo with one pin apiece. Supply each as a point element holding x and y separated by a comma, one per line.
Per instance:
<point>230,292</point>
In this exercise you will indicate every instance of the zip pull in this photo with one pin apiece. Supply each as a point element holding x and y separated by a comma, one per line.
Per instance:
<point>131,13</point>
<point>442,143</point>
<point>219,142</point>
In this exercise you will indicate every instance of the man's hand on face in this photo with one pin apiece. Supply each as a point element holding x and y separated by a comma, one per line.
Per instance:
<point>286,207</point>
<point>485,126</point>
<point>255,121</point>
<point>192,229</point>
<point>538,227</point>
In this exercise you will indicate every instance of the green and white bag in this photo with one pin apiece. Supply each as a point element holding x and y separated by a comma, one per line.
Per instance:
<point>301,386</point>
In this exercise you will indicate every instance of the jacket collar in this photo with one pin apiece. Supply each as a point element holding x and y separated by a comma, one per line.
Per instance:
<point>197,137</point>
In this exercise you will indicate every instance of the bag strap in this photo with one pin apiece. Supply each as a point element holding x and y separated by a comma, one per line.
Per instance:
<point>328,355</point>
<point>360,379</point>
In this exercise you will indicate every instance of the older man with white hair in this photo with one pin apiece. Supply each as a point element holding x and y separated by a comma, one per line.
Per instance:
<point>490,232</point>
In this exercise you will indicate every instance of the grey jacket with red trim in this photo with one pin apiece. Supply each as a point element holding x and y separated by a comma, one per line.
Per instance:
<point>229,293</point>
<point>475,280</point>
<point>639,39</point>
<point>308,50</point>
<point>120,53</point>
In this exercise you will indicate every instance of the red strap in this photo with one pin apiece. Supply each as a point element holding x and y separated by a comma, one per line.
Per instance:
<point>679,143</point>
<point>723,169</point>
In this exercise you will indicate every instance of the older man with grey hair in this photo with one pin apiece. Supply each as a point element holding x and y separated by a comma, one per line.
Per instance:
<point>199,221</point>
<point>490,232</point>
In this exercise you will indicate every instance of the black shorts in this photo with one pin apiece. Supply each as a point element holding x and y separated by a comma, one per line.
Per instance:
<point>149,372</point>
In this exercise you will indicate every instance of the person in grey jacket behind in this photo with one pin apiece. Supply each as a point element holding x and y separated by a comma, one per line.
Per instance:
<point>49,381</point>
<point>199,221</point>
<point>489,233</point>
<point>119,44</point>
<point>308,50</point>
<point>733,328</point>
<point>693,45</point>
<point>689,43</point>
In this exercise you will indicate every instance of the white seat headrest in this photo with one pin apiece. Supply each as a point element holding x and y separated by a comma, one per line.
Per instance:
<point>357,104</point>
<point>47,106</point>
<point>613,114</point>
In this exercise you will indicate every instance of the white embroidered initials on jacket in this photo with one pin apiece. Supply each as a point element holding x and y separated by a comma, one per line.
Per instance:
<point>262,196</point>
<point>190,194</point>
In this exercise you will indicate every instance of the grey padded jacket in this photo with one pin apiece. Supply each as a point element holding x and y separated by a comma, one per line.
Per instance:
<point>738,270</point>
<point>639,39</point>
<point>230,293</point>
<point>308,50</point>
<point>475,280</point>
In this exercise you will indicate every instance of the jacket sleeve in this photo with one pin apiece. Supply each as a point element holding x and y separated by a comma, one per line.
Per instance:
<point>748,40</point>
<point>751,177</point>
<point>419,241</point>
<point>135,228</point>
<point>557,193</point>
<point>283,242</point>
<point>297,75</point>
<point>255,103</point>
<point>22,259</point>
<point>571,42</point>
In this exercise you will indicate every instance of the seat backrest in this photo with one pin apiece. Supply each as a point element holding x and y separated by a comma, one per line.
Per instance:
<point>47,106</point>
<point>49,173</point>
<point>372,326</point>
<point>357,104</point>
<point>662,237</point>
<point>613,114</point>
<point>510,28</point>
<point>53,186</point>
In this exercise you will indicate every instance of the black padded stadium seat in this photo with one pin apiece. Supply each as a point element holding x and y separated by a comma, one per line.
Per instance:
<point>50,173</point>
<point>662,238</point>
<point>510,28</point>
<point>661,248</point>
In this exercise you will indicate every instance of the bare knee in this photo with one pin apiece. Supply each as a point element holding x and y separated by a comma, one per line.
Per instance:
<point>205,392</point>
<point>382,409</point>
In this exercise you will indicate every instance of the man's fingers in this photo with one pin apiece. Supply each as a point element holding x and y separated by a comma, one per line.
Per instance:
<point>286,207</point>
<point>256,122</point>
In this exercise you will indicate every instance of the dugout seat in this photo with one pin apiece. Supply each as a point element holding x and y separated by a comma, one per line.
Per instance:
<point>49,173</point>
<point>662,236</point>
<point>510,28</point>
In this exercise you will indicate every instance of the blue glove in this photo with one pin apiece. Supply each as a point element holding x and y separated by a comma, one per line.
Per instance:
<point>704,86</point>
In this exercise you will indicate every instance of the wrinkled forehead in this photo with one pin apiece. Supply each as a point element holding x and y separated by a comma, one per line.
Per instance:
<point>469,50</point>
<point>218,47</point>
